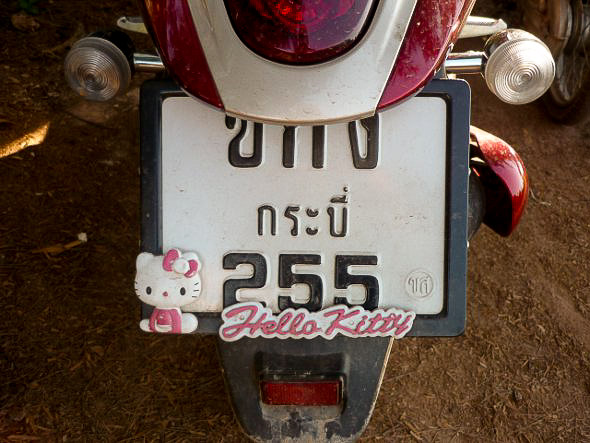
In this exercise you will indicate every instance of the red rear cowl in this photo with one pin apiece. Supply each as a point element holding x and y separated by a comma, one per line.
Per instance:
<point>435,26</point>
<point>306,32</point>
<point>171,26</point>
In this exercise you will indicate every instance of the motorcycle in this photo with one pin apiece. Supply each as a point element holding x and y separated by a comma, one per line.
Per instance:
<point>309,185</point>
<point>564,26</point>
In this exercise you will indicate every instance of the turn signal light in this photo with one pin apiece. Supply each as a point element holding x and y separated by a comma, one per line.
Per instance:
<point>99,67</point>
<point>520,67</point>
<point>300,31</point>
<point>301,393</point>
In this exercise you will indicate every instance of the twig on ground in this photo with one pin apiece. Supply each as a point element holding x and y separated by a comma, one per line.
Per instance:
<point>79,32</point>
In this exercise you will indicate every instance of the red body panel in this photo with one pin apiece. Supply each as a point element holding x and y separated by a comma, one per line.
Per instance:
<point>436,25</point>
<point>504,179</point>
<point>173,31</point>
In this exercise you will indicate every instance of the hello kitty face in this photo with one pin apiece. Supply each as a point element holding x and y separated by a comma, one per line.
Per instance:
<point>169,281</point>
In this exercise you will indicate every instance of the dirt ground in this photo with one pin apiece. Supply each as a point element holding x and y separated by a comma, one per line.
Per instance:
<point>74,365</point>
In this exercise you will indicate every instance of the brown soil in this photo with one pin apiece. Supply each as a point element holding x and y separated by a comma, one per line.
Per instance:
<point>74,365</point>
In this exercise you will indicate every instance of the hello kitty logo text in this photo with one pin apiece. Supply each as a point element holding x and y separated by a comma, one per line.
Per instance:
<point>252,319</point>
<point>168,283</point>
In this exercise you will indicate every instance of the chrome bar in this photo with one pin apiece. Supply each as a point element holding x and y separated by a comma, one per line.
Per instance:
<point>482,26</point>
<point>132,24</point>
<point>470,62</point>
<point>148,63</point>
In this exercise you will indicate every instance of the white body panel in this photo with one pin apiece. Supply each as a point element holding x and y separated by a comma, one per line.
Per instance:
<point>396,211</point>
<point>343,89</point>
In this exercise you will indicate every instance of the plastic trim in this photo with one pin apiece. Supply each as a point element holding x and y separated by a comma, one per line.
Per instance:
<point>344,89</point>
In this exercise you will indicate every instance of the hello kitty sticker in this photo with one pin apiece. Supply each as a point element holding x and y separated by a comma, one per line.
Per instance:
<point>168,283</point>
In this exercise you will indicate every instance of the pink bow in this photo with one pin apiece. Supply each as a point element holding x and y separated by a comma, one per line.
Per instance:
<point>187,265</point>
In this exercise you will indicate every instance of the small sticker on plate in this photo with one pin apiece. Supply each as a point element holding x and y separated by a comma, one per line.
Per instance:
<point>419,284</point>
<point>254,320</point>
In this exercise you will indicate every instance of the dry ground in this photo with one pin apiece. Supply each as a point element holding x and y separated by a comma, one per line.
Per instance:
<point>74,365</point>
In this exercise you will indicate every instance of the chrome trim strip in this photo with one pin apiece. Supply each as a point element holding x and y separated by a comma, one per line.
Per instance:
<point>471,62</point>
<point>132,24</point>
<point>482,26</point>
<point>148,63</point>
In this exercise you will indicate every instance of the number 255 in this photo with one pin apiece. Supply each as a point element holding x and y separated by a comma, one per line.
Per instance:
<point>287,279</point>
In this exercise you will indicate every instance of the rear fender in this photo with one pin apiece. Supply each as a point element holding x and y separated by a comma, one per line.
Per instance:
<point>504,179</point>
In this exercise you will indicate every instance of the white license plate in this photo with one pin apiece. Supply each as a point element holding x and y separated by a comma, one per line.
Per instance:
<point>304,217</point>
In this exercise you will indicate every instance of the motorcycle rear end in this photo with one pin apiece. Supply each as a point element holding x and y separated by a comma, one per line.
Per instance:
<point>310,182</point>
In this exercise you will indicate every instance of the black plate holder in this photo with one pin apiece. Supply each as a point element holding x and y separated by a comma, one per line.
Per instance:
<point>451,320</point>
<point>359,362</point>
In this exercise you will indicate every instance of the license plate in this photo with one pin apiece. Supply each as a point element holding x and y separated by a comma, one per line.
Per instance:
<point>369,213</point>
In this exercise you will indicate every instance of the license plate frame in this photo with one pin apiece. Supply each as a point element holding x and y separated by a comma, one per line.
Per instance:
<point>455,93</point>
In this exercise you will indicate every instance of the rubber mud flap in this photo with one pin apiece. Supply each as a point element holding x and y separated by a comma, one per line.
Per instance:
<point>358,362</point>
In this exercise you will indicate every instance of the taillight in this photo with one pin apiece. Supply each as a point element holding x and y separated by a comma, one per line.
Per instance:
<point>434,27</point>
<point>172,28</point>
<point>300,31</point>
<point>301,393</point>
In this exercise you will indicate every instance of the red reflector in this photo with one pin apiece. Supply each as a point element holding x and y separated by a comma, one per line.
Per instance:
<point>301,393</point>
<point>300,31</point>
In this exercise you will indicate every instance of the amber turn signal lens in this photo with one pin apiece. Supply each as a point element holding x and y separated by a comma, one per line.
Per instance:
<point>98,67</point>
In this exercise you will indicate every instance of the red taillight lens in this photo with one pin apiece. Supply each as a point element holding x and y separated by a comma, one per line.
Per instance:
<point>172,28</point>
<point>301,393</point>
<point>296,14</point>
<point>300,31</point>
